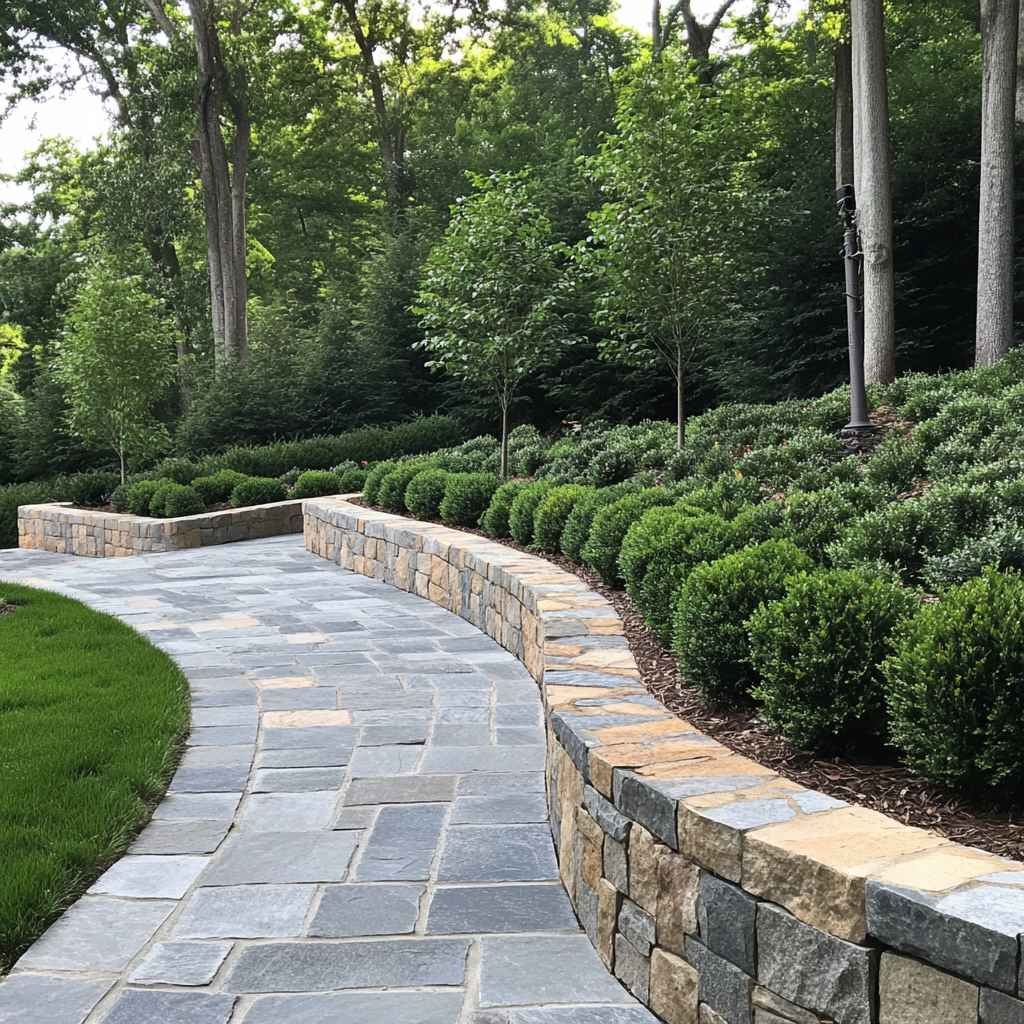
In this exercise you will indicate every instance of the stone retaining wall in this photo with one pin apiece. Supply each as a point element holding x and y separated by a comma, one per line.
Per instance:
<point>63,529</point>
<point>716,890</point>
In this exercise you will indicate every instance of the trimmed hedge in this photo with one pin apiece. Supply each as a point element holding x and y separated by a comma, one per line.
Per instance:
<point>581,518</point>
<point>609,529</point>
<point>257,490</point>
<point>495,520</point>
<point>352,480</point>
<point>425,492</point>
<point>183,501</point>
<point>315,483</point>
<point>524,508</point>
<point>466,497</point>
<point>391,492</point>
<point>216,489</point>
<point>553,512</point>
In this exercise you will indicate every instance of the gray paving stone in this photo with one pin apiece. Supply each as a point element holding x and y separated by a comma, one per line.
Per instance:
<point>722,985</point>
<point>297,780</point>
<point>358,1008</point>
<point>206,806</point>
<point>35,998</point>
<point>567,1015</point>
<point>401,844</point>
<point>222,735</point>
<point>500,908</point>
<point>462,735</point>
<point>376,762</point>
<point>266,857</point>
<point>414,789</point>
<point>457,760</point>
<point>727,919</point>
<point>181,963</point>
<point>245,912</point>
<point>413,732</point>
<point>500,853</point>
<point>144,1006</point>
<point>519,736</point>
<point>323,966</point>
<point>223,716</point>
<point>215,779</point>
<point>279,812</point>
<point>464,716</point>
<point>500,783</point>
<point>511,809</point>
<point>519,714</point>
<point>169,836</point>
<point>98,933</point>
<point>304,757</point>
<point>299,698</point>
<point>532,970</point>
<point>355,818</point>
<point>340,737</point>
<point>351,910</point>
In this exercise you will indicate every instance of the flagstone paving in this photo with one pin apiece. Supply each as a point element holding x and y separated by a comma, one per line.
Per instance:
<point>357,833</point>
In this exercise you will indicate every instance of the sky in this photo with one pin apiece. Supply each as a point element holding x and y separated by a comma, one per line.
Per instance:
<point>81,115</point>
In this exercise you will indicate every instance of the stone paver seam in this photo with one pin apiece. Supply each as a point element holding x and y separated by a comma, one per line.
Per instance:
<point>472,981</point>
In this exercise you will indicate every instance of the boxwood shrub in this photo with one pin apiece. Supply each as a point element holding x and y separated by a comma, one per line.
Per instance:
<point>956,685</point>
<point>466,497</point>
<point>524,507</point>
<point>709,634</point>
<point>176,468</point>
<point>216,488</point>
<point>315,483</point>
<point>183,501</point>
<point>495,519</point>
<point>257,490</point>
<point>374,478</point>
<point>425,492</point>
<point>553,512</point>
<point>91,489</point>
<point>140,494</point>
<point>818,653</point>
<point>391,493</point>
<point>352,480</point>
<point>609,529</point>
<point>157,496</point>
<point>581,518</point>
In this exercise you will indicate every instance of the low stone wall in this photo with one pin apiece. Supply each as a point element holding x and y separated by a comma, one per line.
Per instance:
<point>716,890</point>
<point>66,530</point>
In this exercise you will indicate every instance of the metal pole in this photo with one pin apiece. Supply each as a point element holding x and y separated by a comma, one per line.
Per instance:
<point>852,258</point>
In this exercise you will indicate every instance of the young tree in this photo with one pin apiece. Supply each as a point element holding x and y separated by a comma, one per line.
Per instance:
<point>116,363</point>
<point>488,301</point>
<point>994,335</point>
<point>666,246</point>
<point>873,173</point>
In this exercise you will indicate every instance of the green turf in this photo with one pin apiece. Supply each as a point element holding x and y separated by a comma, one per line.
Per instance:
<point>92,718</point>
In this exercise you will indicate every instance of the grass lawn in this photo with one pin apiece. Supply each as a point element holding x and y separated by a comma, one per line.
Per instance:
<point>92,718</point>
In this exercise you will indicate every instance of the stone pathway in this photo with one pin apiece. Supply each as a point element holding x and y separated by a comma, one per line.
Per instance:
<point>357,833</point>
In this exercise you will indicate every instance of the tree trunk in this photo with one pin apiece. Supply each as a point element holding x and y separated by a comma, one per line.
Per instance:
<point>994,335</point>
<point>505,402</point>
<point>843,111</point>
<point>1020,65</point>
<point>680,408</point>
<point>873,174</point>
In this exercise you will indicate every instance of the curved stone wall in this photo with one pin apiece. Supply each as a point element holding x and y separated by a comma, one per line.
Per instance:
<point>65,530</point>
<point>714,889</point>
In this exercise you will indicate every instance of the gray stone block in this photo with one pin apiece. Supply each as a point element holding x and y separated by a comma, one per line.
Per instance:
<point>478,910</point>
<point>637,926</point>
<point>501,783</point>
<point>34,998</point>
<point>245,912</point>
<point>207,806</point>
<point>361,1007</point>
<point>143,1006</point>
<point>567,1015</point>
<point>727,919</point>
<point>632,968</point>
<point>181,963</point>
<point>166,836</point>
<point>323,966</point>
<point>971,932</point>
<point>287,812</point>
<point>403,790</point>
<point>351,910</point>
<point>722,985</point>
<point>499,853</point>
<point>814,969</point>
<point>510,809</point>
<point>604,813</point>
<point>297,780</point>
<point>616,864</point>
<point>401,844</point>
<point>997,1008</point>
<point>263,857</point>
<point>377,762</point>
<point>305,757</point>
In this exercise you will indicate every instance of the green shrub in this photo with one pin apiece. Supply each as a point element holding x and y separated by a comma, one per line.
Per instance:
<point>180,470</point>
<point>466,497</point>
<point>609,529</point>
<point>553,512</point>
<point>712,608</point>
<point>956,685</point>
<point>725,495</point>
<point>818,652</point>
<point>897,463</point>
<point>659,552</point>
<point>352,480</point>
<point>140,496</point>
<point>425,493</point>
<point>814,520</point>
<point>119,499</point>
<point>90,489</point>
<point>1001,548</point>
<point>524,506</point>
<point>391,493</point>
<point>374,478</point>
<point>581,518</point>
<point>257,490</point>
<point>183,501</point>
<point>805,459</point>
<point>477,455</point>
<point>158,497</point>
<point>495,519</point>
<point>217,488</point>
<point>757,523</point>
<point>21,494</point>
<point>315,483</point>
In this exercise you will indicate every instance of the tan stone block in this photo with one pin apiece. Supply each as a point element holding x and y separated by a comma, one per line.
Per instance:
<point>438,571</point>
<point>607,918</point>
<point>645,730</point>
<point>592,832</point>
<point>708,1016</point>
<point>678,886</point>
<point>911,992</point>
<point>816,865</point>
<point>644,866</point>
<point>591,861</point>
<point>673,991</point>
<point>304,719</point>
<point>438,595</point>
<point>604,760</point>
<point>943,868</point>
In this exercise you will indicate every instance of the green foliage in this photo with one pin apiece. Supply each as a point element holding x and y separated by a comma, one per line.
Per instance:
<point>609,529</point>
<point>257,490</point>
<point>466,497</point>
<point>581,518</point>
<point>391,493</point>
<point>13,496</point>
<point>90,489</point>
<point>709,634</point>
<point>140,495</point>
<point>1001,548</point>
<point>524,508</point>
<point>495,520</point>
<point>181,471</point>
<point>157,498</point>
<point>183,501</point>
<point>316,482</point>
<point>374,479</point>
<point>552,514</point>
<point>352,480</point>
<point>956,685</point>
<point>814,520</point>
<point>897,463</point>
<point>216,488</point>
<point>818,653</point>
<point>425,493</point>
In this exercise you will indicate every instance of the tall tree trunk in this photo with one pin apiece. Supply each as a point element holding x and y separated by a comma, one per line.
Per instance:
<point>505,401</point>
<point>994,334</point>
<point>680,376</point>
<point>843,111</point>
<point>1020,65</point>
<point>873,174</point>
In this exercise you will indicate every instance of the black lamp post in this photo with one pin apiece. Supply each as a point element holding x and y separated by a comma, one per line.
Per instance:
<point>852,256</point>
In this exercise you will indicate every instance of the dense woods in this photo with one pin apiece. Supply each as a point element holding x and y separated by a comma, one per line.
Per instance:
<point>335,215</point>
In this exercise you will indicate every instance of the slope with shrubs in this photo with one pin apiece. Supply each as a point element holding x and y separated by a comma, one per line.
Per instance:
<point>846,595</point>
